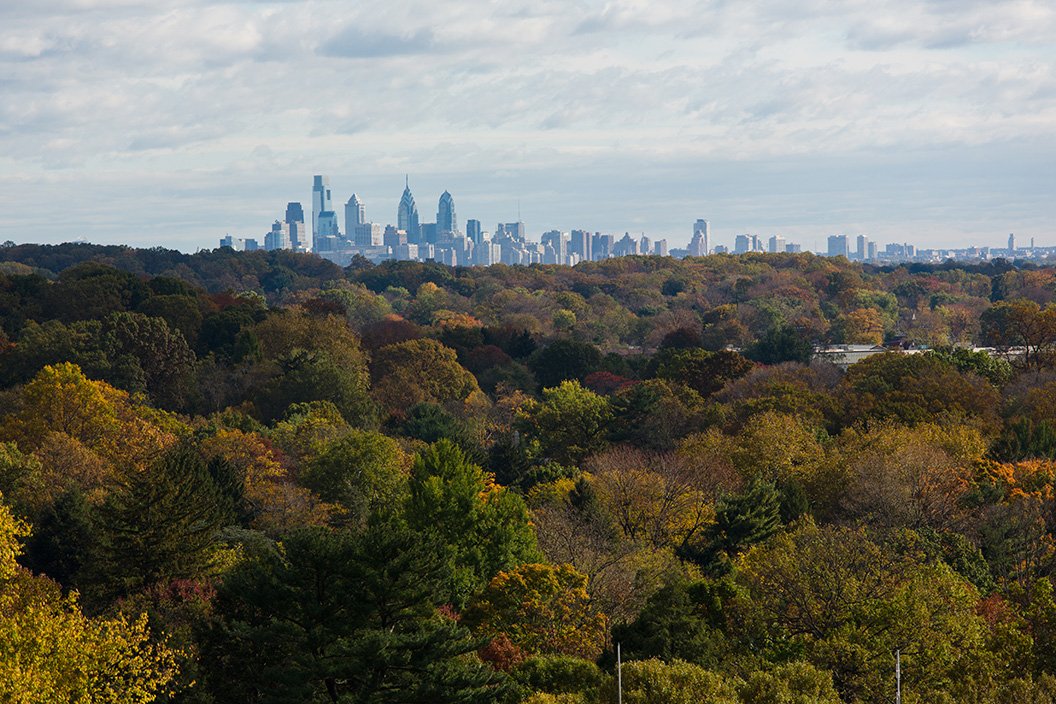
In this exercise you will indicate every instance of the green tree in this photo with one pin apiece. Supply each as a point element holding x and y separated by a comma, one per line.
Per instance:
<point>570,423</point>
<point>564,360</point>
<point>364,471</point>
<point>349,617</point>
<point>485,525</point>
<point>160,524</point>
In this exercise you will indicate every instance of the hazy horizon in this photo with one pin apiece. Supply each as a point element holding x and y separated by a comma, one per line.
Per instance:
<point>174,123</point>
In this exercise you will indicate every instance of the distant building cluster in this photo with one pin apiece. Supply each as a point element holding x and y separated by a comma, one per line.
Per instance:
<point>444,241</point>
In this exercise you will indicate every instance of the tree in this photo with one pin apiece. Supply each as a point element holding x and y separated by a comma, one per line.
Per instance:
<point>1021,323</point>
<point>50,652</point>
<point>364,471</point>
<point>141,347</point>
<point>419,371</point>
<point>570,422</point>
<point>161,524</point>
<point>847,603</point>
<point>703,371</point>
<point>656,682</point>
<point>781,344</point>
<point>682,621</point>
<point>915,388</point>
<point>543,609</point>
<point>338,616</point>
<point>312,375</point>
<point>564,360</point>
<point>741,520</point>
<point>485,525</point>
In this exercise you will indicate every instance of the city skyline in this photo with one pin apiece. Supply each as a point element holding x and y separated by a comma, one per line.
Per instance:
<point>409,238</point>
<point>163,124</point>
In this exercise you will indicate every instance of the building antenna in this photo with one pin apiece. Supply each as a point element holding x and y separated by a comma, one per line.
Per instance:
<point>406,181</point>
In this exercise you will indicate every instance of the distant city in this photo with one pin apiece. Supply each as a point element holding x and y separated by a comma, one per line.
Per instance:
<point>443,241</point>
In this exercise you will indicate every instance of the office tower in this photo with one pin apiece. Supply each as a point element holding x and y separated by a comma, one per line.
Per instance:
<point>446,220</point>
<point>1011,243</point>
<point>700,245</point>
<point>327,224</point>
<point>251,245</point>
<point>838,246</point>
<point>368,234</point>
<point>660,248</point>
<point>355,215</point>
<point>862,250</point>
<point>298,232</point>
<point>278,238</point>
<point>321,201</point>
<point>581,245</point>
<point>872,251</point>
<point>742,244</point>
<point>235,243</point>
<point>513,230</point>
<point>473,232</point>
<point>645,245</point>
<point>777,244</point>
<point>558,241</point>
<point>407,216</point>
<point>793,248</point>
<point>427,233</point>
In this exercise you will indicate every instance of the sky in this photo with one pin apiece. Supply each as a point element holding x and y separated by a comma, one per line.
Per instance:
<point>173,122</point>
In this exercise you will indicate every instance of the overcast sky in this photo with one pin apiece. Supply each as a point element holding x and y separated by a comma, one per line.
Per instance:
<point>170,123</point>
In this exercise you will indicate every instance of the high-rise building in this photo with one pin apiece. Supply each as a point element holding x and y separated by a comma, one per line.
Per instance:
<point>279,237</point>
<point>1011,243</point>
<point>327,225</point>
<point>407,216</point>
<point>872,252</point>
<point>700,245</point>
<point>660,248</point>
<point>838,246</point>
<point>446,220</point>
<point>321,201</point>
<point>581,244</point>
<point>298,232</point>
<point>862,249</point>
<point>474,231</point>
<point>777,244</point>
<point>742,244</point>
<point>355,215</point>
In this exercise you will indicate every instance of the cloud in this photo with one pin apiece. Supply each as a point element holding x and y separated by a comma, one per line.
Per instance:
<point>492,99</point>
<point>354,43</point>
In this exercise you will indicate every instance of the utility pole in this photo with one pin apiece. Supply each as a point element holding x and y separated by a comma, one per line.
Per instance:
<point>619,677</point>
<point>898,676</point>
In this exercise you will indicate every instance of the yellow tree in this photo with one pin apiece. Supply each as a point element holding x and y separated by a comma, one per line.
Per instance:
<point>542,609</point>
<point>51,652</point>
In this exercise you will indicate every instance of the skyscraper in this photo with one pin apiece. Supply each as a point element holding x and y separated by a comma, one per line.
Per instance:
<point>295,221</point>
<point>581,245</point>
<point>474,231</point>
<point>446,220</point>
<point>355,215</point>
<point>862,247</point>
<point>777,244</point>
<point>838,246</point>
<point>1011,243</point>
<point>407,215</point>
<point>700,245</point>
<point>742,244</point>
<point>321,201</point>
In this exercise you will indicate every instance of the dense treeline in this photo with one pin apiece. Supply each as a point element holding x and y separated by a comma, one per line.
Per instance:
<point>260,478</point>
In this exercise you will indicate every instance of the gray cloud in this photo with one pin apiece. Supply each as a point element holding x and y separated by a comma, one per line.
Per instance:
<point>595,113</point>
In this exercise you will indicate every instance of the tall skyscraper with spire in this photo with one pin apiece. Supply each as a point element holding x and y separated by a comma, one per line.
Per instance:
<point>407,215</point>
<point>446,220</point>
<point>321,200</point>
